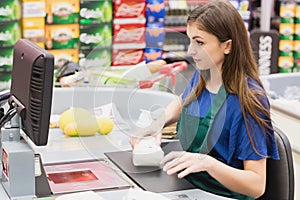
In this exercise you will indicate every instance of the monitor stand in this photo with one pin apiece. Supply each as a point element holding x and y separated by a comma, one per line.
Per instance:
<point>22,170</point>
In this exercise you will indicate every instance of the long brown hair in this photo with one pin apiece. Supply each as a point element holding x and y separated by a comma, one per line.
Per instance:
<point>222,20</point>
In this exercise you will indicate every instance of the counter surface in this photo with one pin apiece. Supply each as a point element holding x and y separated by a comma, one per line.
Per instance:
<point>61,149</point>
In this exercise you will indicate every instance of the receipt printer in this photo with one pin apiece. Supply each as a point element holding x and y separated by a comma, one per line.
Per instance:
<point>147,153</point>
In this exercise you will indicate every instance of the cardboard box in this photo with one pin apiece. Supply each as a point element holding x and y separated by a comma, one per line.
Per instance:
<point>155,35</point>
<point>296,48</point>
<point>129,36</point>
<point>127,57</point>
<point>33,8</point>
<point>155,11</point>
<point>10,10</point>
<point>152,54</point>
<point>95,35</point>
<point>297,32</point>
<point>62,12</point>
<point>297,14</point>
<point>95,12</point>
<point>286,31</point>
<point>63,55</point>
<point>62,36</point>
<point>34,30</point>
<point>287,12</point>
<point>10,33</point>
<point>129,11</point>
<point>95,58</point>
<point>6,59</point>
<point>286,47</point>
<point>5,80</point>
<point>285,63</point>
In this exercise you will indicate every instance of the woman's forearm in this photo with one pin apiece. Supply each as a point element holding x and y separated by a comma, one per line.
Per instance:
<point>250,181</point>
<point>173,111</point>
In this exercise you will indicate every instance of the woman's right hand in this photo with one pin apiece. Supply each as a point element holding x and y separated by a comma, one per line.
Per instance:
<point>170,115</point>
<point>133,140</point>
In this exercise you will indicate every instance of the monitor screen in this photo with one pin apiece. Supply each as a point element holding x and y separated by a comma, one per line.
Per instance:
<point>31,89</point>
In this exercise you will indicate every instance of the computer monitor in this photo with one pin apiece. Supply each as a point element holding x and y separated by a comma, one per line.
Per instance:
<point>31,89</point>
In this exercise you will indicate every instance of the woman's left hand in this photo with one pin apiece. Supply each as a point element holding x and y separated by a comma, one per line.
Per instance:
<point>185,163</point>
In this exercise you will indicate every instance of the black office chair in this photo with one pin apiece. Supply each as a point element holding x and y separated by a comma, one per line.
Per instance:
<point>280,173</point>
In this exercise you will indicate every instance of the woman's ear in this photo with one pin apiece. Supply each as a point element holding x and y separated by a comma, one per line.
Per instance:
<point>227,45</point>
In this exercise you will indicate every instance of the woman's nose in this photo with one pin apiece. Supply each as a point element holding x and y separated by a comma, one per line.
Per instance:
<point>191,51</point>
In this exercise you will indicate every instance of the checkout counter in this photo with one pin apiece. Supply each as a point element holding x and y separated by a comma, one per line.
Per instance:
<point>129,101</point>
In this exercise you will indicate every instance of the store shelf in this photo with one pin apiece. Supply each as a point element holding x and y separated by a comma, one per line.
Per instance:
<point>175,54</point>
<point>190,2</point>
<point>171,57</point>
<point>175,28</point>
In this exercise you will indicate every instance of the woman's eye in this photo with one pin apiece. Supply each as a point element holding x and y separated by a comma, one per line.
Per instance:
<point>199,43</point>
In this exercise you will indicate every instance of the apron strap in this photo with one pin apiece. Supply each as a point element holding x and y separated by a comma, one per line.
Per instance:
<point>210,116</point>
<point>207,121</point>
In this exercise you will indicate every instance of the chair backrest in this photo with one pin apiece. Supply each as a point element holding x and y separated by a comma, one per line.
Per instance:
<point>280,173</point>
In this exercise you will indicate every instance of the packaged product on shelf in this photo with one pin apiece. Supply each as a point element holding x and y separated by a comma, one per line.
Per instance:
<point>297,13</point>
<point>63,55</point>
<point>176,41</point>
<point>10,33</point>
<point>129,36</point>
<point>10,10</point>
<point>176,17</point>
<point>287,12</point>
<point>62,11</point>
<point>95,35</point>
<point>95,12</point>
<point>129,11</point>
<point>286,47</point>
<point>6,59</point>
<point>33,8</point>
<point>5,79</point>
<point>285,63</point>
<point>243,5</point>
<point>297,65</point>
<point>177,12</point>
<point>286,31</point>
<point>62,36</point>
<point>296,54</point>
<point>297,32</point>
<point>95,58</point>
<point>127,57</point>
<point>155,35</point>
<point>289,30</point>
<point>152,54</point>
<point>34,30</point>
<point>244,10</point>
<point>155,11</point>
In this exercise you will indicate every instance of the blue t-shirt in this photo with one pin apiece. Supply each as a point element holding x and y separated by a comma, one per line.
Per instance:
<point>228,136</point>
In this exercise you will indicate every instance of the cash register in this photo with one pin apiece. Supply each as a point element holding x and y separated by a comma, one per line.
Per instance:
<point>25,121</point>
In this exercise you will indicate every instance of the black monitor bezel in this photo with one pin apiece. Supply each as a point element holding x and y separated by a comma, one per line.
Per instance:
<point>31,89</point>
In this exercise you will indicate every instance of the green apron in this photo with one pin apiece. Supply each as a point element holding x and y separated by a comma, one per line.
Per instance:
<point>192,132</point>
